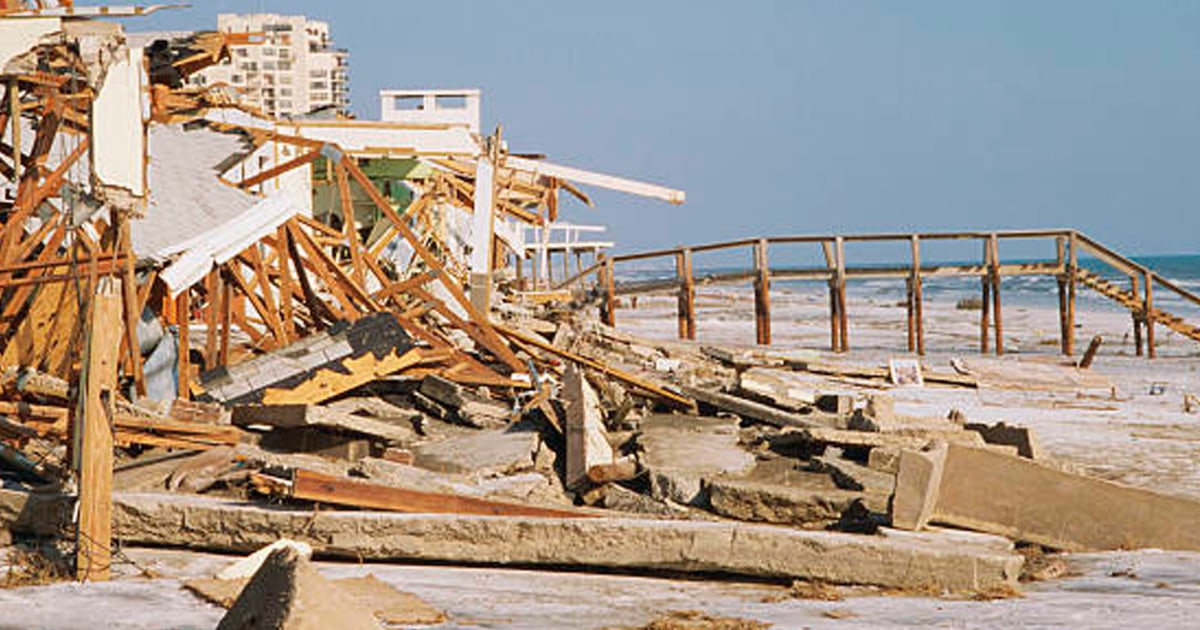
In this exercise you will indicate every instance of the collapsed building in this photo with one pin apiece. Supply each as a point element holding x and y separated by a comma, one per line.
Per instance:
<point>334,313</point>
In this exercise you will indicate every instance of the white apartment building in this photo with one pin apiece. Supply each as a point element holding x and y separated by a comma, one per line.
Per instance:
<point>293,72</point>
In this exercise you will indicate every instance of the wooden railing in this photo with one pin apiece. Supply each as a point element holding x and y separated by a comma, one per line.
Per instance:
<point>836,272</point>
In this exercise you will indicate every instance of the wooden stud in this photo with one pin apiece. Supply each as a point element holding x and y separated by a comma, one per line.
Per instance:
<point>131,304</point>
<point>1061,278</point>
<point>226,323</point>
<point>1137,316</point>
<point>94,544</point>
<point>212,310</point>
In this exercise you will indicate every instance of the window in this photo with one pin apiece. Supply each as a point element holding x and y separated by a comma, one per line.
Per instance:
<point>409,103</point>
<point>237,78</point>
<point>451,102</point>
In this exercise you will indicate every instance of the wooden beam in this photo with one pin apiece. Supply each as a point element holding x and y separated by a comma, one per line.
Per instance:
<point>490,340</point>
<point>276,171</point>
<point>687,294</point>
<point>1151,351</point>
<point>183,311</point>
<point>94,542</point>
<point>994,276</point>
<point>670,398</point>
<point>130,302</point>
<point>312,486</point>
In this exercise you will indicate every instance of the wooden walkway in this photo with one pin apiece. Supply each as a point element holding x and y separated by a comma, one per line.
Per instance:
<point>1063,265</point>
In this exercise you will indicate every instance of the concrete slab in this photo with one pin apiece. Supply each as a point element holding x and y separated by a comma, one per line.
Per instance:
<point>1016,497</point>
<point>680,451</point>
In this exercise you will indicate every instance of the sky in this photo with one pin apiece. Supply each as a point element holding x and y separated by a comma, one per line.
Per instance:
<point>805,117</point>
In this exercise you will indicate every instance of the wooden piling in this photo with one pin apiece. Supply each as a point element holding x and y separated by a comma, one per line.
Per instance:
<point>762,294</point>
<point>94,536</point>
<point>918,295</point>
<point>687,294</point>
<point>985,306</point>
<point>1061,278</point>
<point>1151,351</point>
<point>1072,281</point>
<point>1136,315</point>
<point>997,312</point>
<point>183,312</point>
<point>910,309</point>
<point>608,310</point>
<point>835,339</point>
<point>843,311</point>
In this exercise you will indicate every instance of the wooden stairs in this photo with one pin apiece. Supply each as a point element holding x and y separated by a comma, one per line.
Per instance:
<point>1130,300</point>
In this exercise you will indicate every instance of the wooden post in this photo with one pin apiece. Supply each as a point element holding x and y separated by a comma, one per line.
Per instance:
<point>226,312</point>
<point>843,316</point>
<point>997,314</point>
<point>918,295</point>
<point>1072,278</point>
<point>687,294</point>
<point>183,313</point>
<point>835,336</point>
<point>986,305</point>
<point>211,318</point>
<point>94,542</point>
<point>910,323</point>
<point>283,238</point>
<point>1151,351</point>
<point>608,310</point>
<point>1063,326</point>
<point>1136,315</point>
<point>762,294</point>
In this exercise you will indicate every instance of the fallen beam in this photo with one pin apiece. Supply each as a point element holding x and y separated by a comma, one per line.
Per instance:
<point>758,411</point>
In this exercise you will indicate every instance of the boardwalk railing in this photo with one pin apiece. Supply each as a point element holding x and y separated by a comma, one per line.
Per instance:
<point>1063,265</point>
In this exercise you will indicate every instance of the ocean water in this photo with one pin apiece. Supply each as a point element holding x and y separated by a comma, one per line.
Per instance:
<point>1182,270</point>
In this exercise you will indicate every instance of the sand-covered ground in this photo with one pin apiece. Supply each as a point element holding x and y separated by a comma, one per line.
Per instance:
<point>1130,426</point>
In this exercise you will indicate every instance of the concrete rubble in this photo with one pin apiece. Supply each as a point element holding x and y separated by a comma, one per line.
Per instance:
<point>353,378</point>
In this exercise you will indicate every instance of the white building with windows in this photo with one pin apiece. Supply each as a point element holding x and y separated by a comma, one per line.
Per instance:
<point>294,71</point>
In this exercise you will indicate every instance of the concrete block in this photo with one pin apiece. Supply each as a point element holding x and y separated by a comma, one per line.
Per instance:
<point>993,492</point>
<point>917,484</point>
<point>1023,438</point>
<point>789,505</point>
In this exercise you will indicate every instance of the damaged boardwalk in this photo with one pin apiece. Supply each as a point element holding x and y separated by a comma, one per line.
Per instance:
<point>1063,265</point>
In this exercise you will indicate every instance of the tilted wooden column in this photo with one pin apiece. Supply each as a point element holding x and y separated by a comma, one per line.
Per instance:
<point>687,294</point>
<point>1151,351</point>
<point>762,294</point>
<point>997,313</point>
<point>94,543</point>
<point>130,302</point>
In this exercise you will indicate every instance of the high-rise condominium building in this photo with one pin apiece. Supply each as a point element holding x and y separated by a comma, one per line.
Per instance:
<point>293,72</point>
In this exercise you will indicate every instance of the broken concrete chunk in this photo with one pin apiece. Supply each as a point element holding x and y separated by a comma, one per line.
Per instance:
<point>287,593</point>
<point>300,416</point>
<point>1023,438</point>
<point>851,475</point>
<point>778,503</point>
<point>248,566</point>
<point>792,437</point>
<point>680,451</point>
<point>1013,496</point>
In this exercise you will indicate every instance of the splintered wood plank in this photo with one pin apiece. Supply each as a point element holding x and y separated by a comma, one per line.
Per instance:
<point>96,455</point>
<point>345,375</point>
<point>311,486</point>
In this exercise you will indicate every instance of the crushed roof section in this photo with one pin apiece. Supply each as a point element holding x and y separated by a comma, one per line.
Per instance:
<point>186,197</point>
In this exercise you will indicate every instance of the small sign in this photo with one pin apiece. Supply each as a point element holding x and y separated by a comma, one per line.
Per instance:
<point>906,372</point>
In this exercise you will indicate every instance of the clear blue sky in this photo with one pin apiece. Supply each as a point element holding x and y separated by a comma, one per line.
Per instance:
<point>813,117</point>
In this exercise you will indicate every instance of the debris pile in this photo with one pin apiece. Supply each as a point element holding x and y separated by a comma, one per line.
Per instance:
<point>308,330</point>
